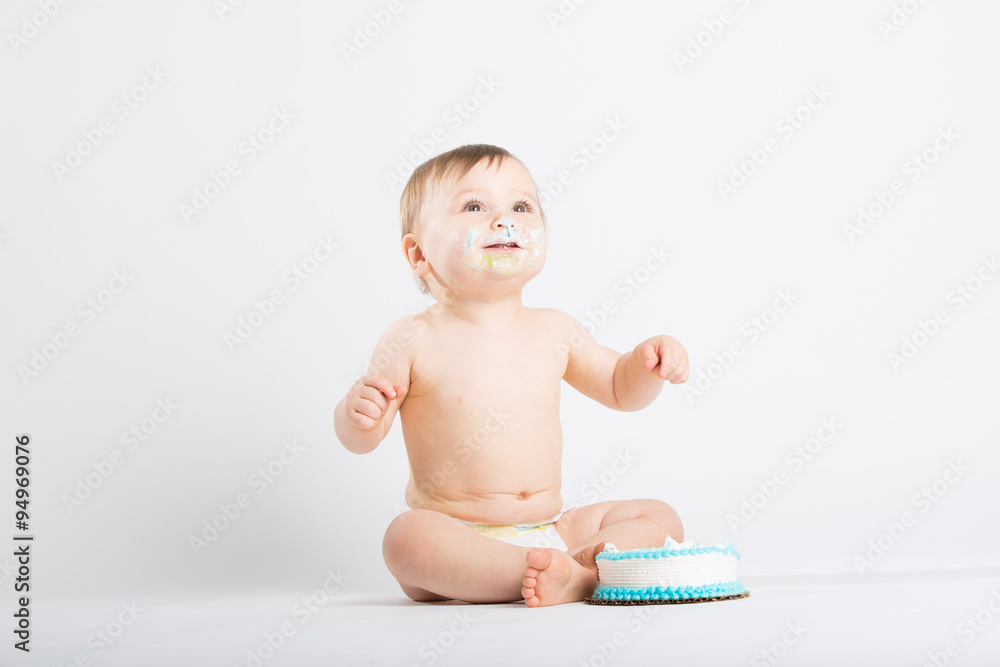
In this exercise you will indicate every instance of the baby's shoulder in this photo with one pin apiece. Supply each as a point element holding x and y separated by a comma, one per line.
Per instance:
<point>398,346</point>
<point>561,327</point>
<point>405,327</point>
<point>410,331</point>
<point>552,317</point>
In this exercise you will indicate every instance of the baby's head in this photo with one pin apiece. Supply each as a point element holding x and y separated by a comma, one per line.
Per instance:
<point>472,224</point>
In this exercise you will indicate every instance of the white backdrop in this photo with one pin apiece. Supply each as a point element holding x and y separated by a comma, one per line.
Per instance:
<point>199,248</point>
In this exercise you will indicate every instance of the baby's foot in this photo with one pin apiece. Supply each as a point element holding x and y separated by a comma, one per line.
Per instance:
<point>555,577</point>
<point>587,556</point>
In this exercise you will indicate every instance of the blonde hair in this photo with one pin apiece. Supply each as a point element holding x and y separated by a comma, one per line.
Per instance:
<point>458,162</point>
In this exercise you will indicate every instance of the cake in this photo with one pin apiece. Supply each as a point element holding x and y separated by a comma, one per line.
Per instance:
<point>676,572</point>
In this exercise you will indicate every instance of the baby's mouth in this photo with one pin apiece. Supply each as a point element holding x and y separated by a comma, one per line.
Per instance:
<point>510,245</point>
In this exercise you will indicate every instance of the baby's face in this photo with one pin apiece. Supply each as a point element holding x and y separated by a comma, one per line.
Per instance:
<point>482,235</point>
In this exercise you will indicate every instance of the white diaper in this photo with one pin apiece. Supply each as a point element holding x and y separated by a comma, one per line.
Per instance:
<point>539,534</point>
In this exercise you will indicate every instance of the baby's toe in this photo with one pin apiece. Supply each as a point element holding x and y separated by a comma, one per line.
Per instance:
<point>538,559</point>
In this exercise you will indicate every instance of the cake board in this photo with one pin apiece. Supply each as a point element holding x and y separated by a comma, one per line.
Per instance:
<point>621,603</point>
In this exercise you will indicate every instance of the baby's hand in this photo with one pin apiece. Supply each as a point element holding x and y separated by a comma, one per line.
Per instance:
<point>664,356</point>
<point>368,401</point>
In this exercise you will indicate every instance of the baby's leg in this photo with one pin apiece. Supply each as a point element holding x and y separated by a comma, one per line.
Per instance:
<point>434,556</point>
<point>433,552</point>
<point>629,524</point>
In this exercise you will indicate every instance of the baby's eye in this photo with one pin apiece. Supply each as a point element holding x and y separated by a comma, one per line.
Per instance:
<point>522,207</point>
<point>473,205</point>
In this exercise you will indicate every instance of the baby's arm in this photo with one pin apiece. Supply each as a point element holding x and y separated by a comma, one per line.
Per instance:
<point>364,416</point>
<point>626,382</point>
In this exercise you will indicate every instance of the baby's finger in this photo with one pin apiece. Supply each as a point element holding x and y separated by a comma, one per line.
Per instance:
<point>649,358</point>
<point>380,383</point>
<point>371,408</point>
<point>360,421</point>
<point>668,365</point>
<point>373,395</point>
<point>681,374</point>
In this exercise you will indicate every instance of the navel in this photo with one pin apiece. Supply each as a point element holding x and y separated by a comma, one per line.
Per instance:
<point>522,496</point>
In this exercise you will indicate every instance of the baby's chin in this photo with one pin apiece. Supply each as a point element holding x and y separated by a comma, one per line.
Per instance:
<point>501,266</point>
<point>502,270</point>
<point>491,281</point>
<point>505,263</point>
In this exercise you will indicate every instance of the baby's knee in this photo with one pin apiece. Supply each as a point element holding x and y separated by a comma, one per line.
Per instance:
<point>403,536</point>
<point>667,517</point>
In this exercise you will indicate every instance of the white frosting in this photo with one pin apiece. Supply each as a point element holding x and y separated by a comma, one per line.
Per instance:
<point>696,570</point>
<point>669,543</point>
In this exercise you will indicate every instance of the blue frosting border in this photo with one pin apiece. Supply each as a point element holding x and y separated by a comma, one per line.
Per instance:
<point>666,551</point>
<point>668,592</point>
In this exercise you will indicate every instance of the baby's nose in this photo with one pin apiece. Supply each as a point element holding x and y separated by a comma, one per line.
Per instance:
<point>505,221</point>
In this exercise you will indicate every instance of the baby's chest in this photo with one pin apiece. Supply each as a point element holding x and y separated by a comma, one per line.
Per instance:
<point>514,372</point>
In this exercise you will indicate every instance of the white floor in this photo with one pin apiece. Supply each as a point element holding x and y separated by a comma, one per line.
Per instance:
<point>904,619</point>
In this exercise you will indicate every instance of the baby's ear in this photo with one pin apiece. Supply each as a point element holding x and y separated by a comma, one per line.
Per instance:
<point>414,255</point>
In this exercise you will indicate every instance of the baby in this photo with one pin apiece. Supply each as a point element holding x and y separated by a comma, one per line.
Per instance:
<point>476,380</point>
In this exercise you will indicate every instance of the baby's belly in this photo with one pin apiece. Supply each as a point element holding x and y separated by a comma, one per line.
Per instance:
<point>486,472</point>
<point>493,508</point>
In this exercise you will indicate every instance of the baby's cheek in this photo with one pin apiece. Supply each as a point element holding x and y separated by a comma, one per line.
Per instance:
<point>536,246</point>
<point>471,241</point>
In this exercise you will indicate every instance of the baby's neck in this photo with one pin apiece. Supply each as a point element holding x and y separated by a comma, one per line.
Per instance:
<point>488,314</point>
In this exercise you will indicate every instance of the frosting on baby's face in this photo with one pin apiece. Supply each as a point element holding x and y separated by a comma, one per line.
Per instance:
<point>504,249</point>
<point>483,234</point>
